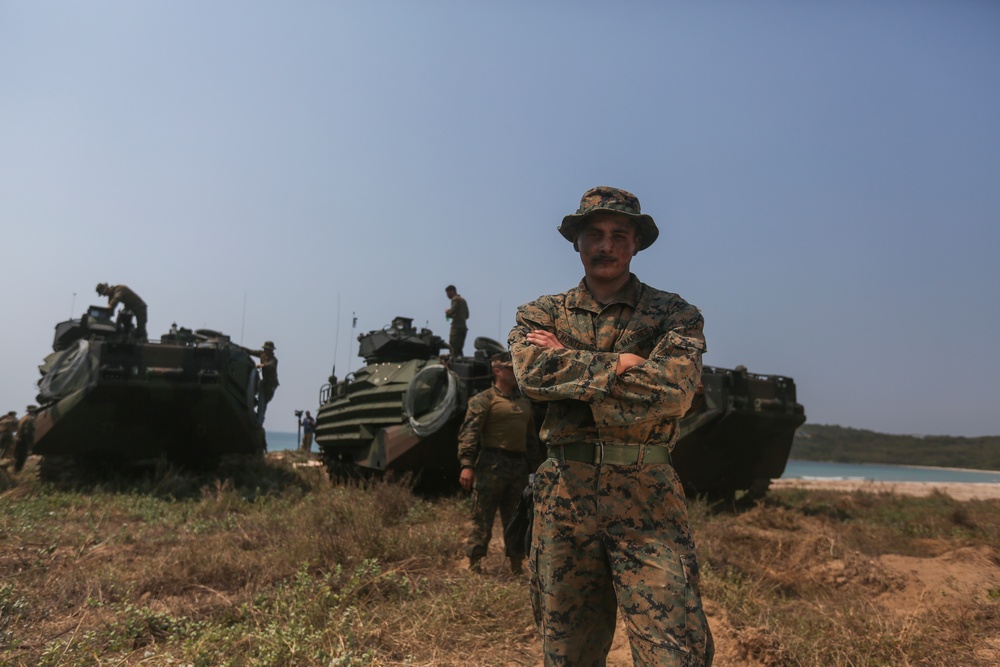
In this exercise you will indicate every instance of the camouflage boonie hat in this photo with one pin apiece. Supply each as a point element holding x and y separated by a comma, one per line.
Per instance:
<point>268,345</point>
<point>31,408</point>
<point>606,198</point>
<point>102,288</point>
<point>501,359</point>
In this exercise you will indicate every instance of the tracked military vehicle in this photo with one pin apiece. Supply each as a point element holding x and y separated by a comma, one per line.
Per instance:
<point>403,409</point>
<point>401,412</point>
<point>737,435</point>
<point>106,395</point>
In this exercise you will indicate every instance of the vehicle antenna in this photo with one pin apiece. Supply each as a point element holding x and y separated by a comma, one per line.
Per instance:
<point>499,316</point>
<point>336,338</point>
<point>72,306</point>
<point>354,323</point>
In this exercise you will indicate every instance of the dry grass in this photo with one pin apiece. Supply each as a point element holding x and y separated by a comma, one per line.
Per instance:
<point>266,564</point>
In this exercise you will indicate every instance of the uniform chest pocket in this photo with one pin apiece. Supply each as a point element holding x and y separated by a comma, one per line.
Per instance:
<point>639,342</point>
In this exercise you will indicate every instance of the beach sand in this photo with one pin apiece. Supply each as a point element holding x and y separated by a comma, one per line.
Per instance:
<point>957,490</point>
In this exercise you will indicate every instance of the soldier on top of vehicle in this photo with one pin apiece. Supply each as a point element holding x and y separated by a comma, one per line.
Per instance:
<point>124,295</point>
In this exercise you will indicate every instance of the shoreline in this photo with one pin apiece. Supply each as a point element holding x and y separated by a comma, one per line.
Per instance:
<point>956,490</point>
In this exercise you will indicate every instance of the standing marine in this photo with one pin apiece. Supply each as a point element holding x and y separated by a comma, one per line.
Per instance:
<point>617,362</point>
<point>268,377</point>
<point>124,295</point>
<point>8,426</point>
<point>497,448</point>
<point>458,313</point>
<point>25,438</point>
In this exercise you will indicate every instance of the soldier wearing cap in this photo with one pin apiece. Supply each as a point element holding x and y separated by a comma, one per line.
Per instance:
<point>25,438</point>
<point>124,295</point>
<point>268,377</point>
<point>458,313</point>
<point>497,446</point>
<point>617,362</point>
<point>8,425</point>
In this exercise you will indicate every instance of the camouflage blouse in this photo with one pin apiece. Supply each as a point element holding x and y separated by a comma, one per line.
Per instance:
<point>589,401</point>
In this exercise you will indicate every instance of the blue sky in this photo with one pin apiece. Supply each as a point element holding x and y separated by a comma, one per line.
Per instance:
<point>825,176</point>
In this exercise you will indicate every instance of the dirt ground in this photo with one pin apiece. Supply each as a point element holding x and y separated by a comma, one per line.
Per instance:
<point>946,578</point>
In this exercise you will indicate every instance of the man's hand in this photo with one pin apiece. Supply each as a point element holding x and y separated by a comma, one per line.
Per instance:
<point>627,360</point>
<point>466,479</point>
<point>543,338</point>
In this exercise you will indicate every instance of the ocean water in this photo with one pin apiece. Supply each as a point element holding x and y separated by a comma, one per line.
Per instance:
<point>883,473</point>
<point>281,440</point>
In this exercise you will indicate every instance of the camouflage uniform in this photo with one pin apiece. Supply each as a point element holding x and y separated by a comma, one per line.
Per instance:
<point>8,425</point>
<point>499,441</point>
<point>609,530</point>
<point>124,295</point>
<point>459,314</point>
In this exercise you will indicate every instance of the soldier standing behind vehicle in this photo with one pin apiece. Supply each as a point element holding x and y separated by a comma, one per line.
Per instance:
<point>458,313</point>
<point>497,447</point>
<point>268,378</point>
<point>618,363</point>
<point>308,429</point>
<point>8,425</point>
<point>25,438</point>
<point>122,294</point>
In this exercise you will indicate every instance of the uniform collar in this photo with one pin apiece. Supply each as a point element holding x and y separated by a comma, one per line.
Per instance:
<point>580,298</point>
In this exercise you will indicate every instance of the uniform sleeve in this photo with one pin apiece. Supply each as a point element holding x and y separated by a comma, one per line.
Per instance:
<point>547,374</point>
<point>663,386</point>
<point>115,297</point>
<point>471,434</point>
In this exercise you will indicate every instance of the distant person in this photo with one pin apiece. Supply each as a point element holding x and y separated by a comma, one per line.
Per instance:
<point>617,363</point>
<point>308,429</point>
<point>122,294</point>
<point>497,448</point>
<point>25,438</point>
<point>8,426</point>
<point>458,313</point>
<point>268,378</point>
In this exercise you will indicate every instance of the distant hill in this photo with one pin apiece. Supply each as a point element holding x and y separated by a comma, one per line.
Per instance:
<point>819,442</point>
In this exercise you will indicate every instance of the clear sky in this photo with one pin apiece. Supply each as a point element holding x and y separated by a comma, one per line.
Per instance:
<point>825,176</point>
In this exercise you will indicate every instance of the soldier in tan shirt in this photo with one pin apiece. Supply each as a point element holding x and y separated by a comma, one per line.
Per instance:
<point>497,447</point>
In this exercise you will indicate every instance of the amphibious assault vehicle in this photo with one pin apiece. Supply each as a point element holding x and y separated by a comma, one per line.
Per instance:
<point>106,395</point>
<point>737,434</point>
<point>402,411</point>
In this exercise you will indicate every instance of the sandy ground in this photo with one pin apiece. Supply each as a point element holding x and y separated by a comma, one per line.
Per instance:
<point>957,490</point>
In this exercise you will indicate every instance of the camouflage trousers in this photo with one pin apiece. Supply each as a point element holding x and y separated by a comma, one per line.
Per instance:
<point>500,480</point>
<point>610,538</point>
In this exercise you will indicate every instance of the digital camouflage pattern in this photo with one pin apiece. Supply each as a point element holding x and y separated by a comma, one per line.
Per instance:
<point>607,532</point>
<point>499,440</point>
<point>605,198</point>
<point>500,479</point>
<point>589,402</point>
<point>610,533</point>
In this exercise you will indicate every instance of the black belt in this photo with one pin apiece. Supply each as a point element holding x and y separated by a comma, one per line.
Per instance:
<point>505,452</point>
<point>597,453</point>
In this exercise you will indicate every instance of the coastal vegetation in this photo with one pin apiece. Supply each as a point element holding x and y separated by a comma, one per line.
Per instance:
<point>271,564</point>
<point>820,442</point>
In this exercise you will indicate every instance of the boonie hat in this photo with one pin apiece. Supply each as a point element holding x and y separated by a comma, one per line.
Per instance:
<point>606,198</point>
<point>268,345</point>
<point>501,359</point>
<point>101,288</point>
